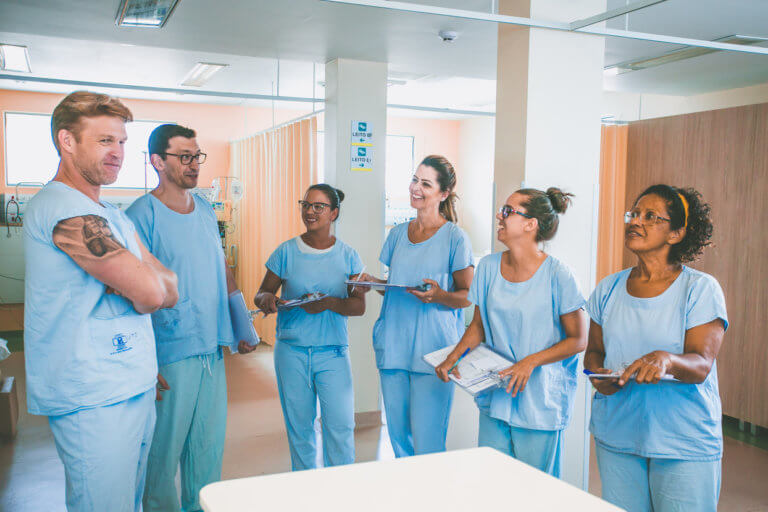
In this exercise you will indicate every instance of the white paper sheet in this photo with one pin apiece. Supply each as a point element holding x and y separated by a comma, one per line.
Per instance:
<point>478,369</point>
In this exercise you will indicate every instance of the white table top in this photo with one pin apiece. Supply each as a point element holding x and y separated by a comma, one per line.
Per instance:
<point>478,479</point>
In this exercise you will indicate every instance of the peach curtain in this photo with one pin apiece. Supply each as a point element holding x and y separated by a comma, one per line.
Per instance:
<point>613,179</point>
<point>276,168</point>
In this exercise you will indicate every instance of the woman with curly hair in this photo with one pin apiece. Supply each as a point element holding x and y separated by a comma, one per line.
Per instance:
<point>659,324</point>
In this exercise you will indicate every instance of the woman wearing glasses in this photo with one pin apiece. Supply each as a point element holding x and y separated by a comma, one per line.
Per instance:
<point>528,307</point>
<point>659,442</point>
<point>311,353</point>
<point>433,250</point>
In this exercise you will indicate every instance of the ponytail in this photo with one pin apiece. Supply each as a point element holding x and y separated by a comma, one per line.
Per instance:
<point>446,178</point>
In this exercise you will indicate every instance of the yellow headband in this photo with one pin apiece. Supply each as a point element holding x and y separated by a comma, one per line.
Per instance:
<point>685,207</point>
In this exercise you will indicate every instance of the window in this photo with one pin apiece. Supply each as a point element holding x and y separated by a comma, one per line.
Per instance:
<point>31,157</point>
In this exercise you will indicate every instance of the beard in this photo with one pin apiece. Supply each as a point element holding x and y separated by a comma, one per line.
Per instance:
<point>182,181</point>
<point>95,174</point>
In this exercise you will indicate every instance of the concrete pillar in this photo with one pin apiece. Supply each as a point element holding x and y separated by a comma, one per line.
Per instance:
<point>357,91</point>
<point>548,109</point>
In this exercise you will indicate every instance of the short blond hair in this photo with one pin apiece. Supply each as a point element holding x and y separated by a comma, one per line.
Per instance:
<point>67,114</point>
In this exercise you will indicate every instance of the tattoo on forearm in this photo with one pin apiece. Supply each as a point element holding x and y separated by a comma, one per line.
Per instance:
<point>90,232</point>
<point>98,236</point>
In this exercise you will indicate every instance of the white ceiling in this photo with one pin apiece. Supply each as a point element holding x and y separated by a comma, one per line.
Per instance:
<point>78,40</point>
<point>696,19</point>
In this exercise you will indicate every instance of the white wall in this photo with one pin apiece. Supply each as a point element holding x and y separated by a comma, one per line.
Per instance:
<point>625,106</point>
<point>475,165</point>
<point>11,265</point>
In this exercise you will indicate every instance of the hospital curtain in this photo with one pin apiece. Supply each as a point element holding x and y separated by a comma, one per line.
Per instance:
<point>613,178</point>
<point>276,167</point>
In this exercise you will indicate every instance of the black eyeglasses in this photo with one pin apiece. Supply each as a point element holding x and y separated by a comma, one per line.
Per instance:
<point>316,207</point>
<point>507,210</point>
<point>187,158</point>
<point>647,218</point>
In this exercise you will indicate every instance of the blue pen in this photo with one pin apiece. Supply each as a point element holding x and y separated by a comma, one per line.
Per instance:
<point>459,359</point>
<point>590,373</point>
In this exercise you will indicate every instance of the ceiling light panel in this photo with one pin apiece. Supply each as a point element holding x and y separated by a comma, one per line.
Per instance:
<point>201,73</point>
<point>678,55</point>
<point>14,58</point>
<point>145,13</point>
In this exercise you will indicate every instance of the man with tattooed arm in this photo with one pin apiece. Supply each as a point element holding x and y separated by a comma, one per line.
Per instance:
<point>90,286</point>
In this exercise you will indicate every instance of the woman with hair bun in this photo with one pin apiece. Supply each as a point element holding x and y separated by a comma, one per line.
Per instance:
<point>528,307</point>
<point>659,442</point>
<point>311,353</point>
<point>432,250</point>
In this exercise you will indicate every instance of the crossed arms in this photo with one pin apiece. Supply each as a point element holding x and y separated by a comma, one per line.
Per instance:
<point>89,241</point>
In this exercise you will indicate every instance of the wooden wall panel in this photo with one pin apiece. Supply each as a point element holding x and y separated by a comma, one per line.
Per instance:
<point>724,155</point>
<point>613,173</point>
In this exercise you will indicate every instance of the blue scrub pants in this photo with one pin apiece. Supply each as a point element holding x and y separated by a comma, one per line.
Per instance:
<point>191,423</point>
<point>541,449</point>
<point>304,376</point>
<point>640,484</point>
<point>417,406</point>
<point>104,451</point>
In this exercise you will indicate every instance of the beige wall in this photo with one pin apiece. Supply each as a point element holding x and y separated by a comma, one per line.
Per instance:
<point>430,137</point>
<point>216,125</point>
<point>469,145</point>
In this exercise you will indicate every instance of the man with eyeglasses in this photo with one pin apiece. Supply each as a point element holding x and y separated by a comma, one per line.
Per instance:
<point>180,229</point>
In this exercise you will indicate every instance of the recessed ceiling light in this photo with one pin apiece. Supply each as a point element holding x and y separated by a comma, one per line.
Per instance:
<point>14,58</point>
<point>201,73</point>
<point>144,13</point>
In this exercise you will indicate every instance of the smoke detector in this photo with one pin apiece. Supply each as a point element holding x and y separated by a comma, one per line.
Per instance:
<point>448,36</point>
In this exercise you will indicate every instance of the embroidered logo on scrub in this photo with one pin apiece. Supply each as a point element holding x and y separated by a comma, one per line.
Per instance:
<point>121,342</point>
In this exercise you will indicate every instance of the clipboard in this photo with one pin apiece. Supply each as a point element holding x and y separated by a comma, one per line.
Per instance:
<point>616,375</point>
<point>294,303</point>
<point>242,322</point>
<point>479,369</point>
<point>387,286</point>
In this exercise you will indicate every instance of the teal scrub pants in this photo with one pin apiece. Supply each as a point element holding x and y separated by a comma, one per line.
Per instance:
<point>640,484</point>
<point>104,451</point>
<point>417,407</point>
<point>541,449</point>
<point>306,375</point>
<point>191,424</point>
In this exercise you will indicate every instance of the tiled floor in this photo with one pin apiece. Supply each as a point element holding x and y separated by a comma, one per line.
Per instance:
<point>32,478</point>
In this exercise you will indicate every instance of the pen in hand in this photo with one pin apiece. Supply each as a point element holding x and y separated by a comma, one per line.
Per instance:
<point>358,278</point>
<point>459,359</point>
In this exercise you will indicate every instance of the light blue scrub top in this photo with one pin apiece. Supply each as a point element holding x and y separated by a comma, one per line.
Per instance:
<point>188,244</point>
<point>83,348</point>
<point>302,273</point>
<point>520,319</point>
<point>666,420</point>
<point>408,328</point>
